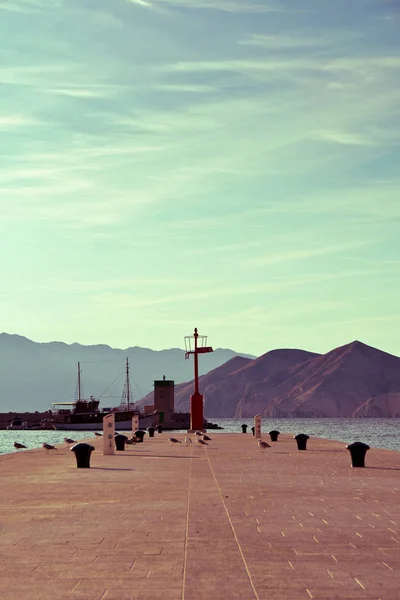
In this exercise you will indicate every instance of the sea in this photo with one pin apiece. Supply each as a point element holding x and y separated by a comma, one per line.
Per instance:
<point>377,433</point>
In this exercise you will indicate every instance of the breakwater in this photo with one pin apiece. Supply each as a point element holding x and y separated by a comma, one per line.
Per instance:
<point>179,522</point>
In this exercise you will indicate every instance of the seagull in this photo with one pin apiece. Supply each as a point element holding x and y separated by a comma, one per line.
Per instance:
<point>98,434</point>
<point>201,442</point>
<point>174,441</point>
<point>206,438</point>
<point>188,440</point>
<point>18,446</point>
<point>131,441</point>
<point>198,433</point>
<point>263,445</point>
<point>48,446</point>
<point>69,441</point>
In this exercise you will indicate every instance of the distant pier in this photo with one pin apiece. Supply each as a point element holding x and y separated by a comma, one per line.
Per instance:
<point>221,522</point>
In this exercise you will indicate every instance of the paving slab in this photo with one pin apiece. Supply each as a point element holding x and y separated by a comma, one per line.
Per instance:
<point>180,522</point>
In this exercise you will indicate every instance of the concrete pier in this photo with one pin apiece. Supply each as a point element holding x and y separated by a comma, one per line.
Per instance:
<point>221,522</point>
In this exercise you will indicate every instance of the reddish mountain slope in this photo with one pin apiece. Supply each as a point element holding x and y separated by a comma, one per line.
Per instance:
<point>335,384</point>
<point>383,405</point>
<point>224,391</point>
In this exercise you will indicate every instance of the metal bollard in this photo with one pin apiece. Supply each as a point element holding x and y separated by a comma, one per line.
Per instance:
<point>82,453</point>
<point>244,428</point>
<point>301,439</point>
<point>120,441</point>
<point>139,435</point>
<point>274,435</point>
<point>357,450</point>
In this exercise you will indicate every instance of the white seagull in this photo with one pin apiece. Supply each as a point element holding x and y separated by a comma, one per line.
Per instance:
<point>188,440</point>
<point>174,441</point>
<point>206,438</point>
<point>263,445</point>
<point>18,446</point>
<point>201,442</point>
<point>198,433</point>
<point>69,441</point>
<point>48,446</point>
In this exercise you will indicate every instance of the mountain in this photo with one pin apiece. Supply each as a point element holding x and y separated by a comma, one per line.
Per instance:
<point>33,375</point>
<point>334,384</point>
<point>225,386</point>
<point>352,380</point>
<point>233,397</point>
<point>383,405</point>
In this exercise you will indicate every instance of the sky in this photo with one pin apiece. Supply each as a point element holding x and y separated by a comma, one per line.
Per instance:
<point>231,165</point>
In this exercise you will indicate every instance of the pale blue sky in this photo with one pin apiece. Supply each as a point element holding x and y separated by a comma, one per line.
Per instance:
<point>227,164</point>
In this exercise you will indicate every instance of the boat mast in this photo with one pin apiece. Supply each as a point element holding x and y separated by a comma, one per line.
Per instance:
<point>128,392</point>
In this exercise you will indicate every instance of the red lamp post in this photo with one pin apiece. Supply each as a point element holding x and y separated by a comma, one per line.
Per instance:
<point>196,344</point>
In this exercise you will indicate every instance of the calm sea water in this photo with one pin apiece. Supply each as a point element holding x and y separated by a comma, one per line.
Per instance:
<point>35,439</point>
<point>378,433</point>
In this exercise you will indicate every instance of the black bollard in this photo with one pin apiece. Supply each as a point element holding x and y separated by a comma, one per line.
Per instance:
<point>82,453</point>
<point>274,435</point>
<point>253,429</point>
<point>301,439</point>
<point>151,431</point>
<point>139,435</point>
<point>357,450</point>
<point>244,428</point>
<point>160,428</point>
<point>120,441</point>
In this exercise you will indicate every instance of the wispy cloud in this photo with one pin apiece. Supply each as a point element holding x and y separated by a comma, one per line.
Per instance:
<point>372,202</point>
<point>38,75</point>
<point>22,6</point>
<point>82,92</point>
<point>292,42</point>
<point>346,138</point>
<point>13,121</point>
<point>233,6</point>
<point>17,6</point>
<point>298,255</point>
<point>361,65</point>
<point>185,88</point>
<point>143,3</point>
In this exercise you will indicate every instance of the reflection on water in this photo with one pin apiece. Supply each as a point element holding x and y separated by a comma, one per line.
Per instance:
<point>378,433</point>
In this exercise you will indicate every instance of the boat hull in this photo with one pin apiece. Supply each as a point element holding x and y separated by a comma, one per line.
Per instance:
<point>28,428</point>
<point>98,426</point>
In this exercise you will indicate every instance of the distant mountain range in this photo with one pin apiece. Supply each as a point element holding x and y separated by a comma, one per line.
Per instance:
<point>354,380</point>
<point>34,375</point>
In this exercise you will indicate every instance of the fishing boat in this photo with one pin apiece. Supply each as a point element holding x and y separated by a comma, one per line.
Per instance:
<point>86,415</point>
